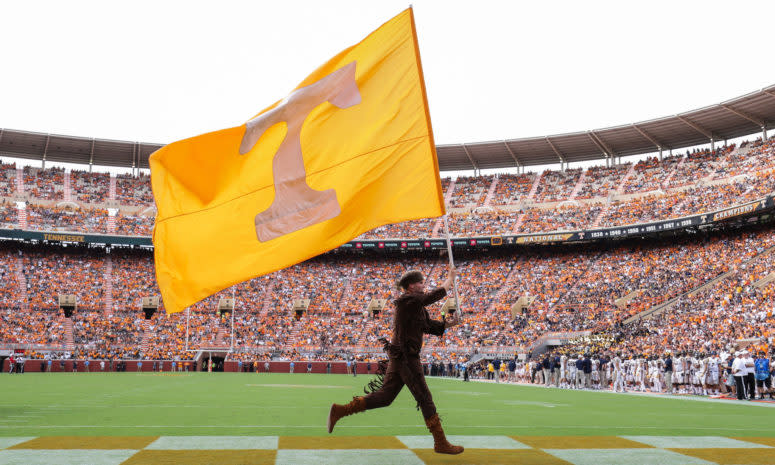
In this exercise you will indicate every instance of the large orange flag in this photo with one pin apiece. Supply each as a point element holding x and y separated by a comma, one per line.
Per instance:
<point>350,149</point>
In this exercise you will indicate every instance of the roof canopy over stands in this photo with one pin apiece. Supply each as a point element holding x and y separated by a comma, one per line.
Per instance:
<point>738,117</point>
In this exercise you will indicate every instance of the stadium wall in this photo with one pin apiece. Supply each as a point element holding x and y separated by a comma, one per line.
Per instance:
<point>38,366</point>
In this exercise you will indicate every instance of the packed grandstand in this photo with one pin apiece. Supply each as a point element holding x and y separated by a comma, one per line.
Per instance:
<point>704,290</point>
<point>694,182</point>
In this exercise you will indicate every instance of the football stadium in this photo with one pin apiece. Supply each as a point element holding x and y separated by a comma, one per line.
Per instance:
<point>327,284</point>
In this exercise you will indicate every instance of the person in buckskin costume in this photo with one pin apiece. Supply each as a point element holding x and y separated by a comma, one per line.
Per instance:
<point>404,368</point>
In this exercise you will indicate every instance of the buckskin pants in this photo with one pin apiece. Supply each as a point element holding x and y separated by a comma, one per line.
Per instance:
<point>403,371</point>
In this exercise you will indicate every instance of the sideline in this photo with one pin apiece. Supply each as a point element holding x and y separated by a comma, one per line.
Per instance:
<point>690,397</point>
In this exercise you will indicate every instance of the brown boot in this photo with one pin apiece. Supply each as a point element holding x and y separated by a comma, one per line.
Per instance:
<point>440,443</point>
<point>337,411</point>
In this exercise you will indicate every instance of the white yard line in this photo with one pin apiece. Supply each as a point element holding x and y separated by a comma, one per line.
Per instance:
<point>534,403</point>
<point>507,427</point>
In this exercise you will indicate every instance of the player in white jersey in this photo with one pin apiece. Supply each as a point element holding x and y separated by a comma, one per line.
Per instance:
<point>656,376</point>
<point>696,368</point>
<point>661,363</point>
<point>614,371</point>
<point>564,371</point>
<point>636,372</point>
<point>618,373</point>
<point>678,376</point>
<point>712,379</point>
<point>595,375</point>
<point>572,373</point>
<point>629,373</point>
<point>649,369</point>
<point>624,371</point>
<point>640,375</point>
<point>623,368</point>
<point>703,373</point>
<point>689,373</point>
<point>681,374</point>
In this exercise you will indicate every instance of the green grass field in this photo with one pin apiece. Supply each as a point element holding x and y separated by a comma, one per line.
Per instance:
<point>249,404</point>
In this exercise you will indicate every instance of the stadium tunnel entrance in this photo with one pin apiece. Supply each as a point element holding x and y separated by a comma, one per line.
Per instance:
<point>208,360</point>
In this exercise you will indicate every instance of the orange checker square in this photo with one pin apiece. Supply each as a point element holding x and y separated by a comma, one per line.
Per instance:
<point>490,457</point>
<point>340,442</point>
<point>732,456</point>
<point>763,441</point>
<point>87,442</point>
<point>203,457</point>
<point>579,442</point>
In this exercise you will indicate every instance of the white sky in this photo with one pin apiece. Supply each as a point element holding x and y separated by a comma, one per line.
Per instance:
<point>158,71</point>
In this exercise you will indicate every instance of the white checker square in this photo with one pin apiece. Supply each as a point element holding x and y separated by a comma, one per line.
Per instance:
<point>64,457</point>
<point>694,442</point>
<point>624,457</point>
<point>469,442</point>
<point>347,457</point>
<point>214,443</point>
<point>8,442</point>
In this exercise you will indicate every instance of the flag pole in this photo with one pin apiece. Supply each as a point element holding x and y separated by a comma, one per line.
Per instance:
<point>452,263</point>
<point>233,309</point>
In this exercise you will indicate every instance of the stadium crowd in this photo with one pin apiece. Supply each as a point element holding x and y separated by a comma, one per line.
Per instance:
<point>134,190</point>
<point>89,187</point>
<point>512,188</point>
<point>602,180</point>
<point>46,184</point>
<point>691,347</point>
<point>7,179</point>
<point>567,217</point>
<point>8,214</point>
<point>569,289</point>
<point>134,225</point>
<point>67,219</point>
<point>557,185</point>
<point>595,289</point>
<point>470,191</point>
<point>696,182</point>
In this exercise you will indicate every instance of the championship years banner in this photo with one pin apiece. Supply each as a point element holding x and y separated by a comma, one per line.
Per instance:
<point>761,206</point>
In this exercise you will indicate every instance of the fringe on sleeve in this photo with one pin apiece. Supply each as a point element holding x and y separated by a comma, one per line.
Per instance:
<point>376,383</point>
